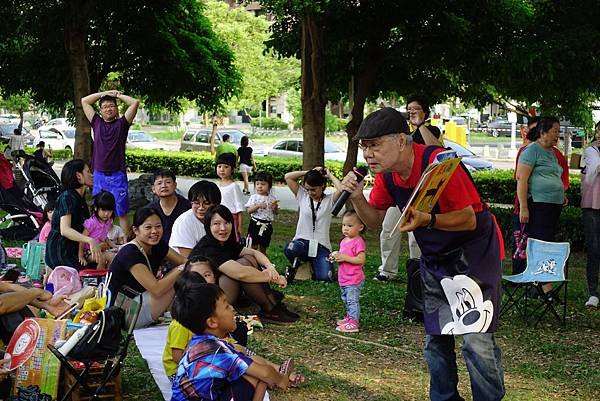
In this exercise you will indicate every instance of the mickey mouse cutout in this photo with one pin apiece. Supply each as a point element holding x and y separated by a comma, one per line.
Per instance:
<point>470,313</point>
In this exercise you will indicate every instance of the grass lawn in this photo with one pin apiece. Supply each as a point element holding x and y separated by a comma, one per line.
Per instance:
<point>384,361</point>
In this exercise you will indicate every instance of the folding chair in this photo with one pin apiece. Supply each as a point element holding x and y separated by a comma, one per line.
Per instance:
<point>546,263</point>
<point>130,302</point>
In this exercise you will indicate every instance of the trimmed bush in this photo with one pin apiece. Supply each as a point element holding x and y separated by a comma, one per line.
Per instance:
<point>269,122</point>
<point>499,186</point>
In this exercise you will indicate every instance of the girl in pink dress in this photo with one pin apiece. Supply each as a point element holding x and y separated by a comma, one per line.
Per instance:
<point>351,258</point>
<point>98,227</point>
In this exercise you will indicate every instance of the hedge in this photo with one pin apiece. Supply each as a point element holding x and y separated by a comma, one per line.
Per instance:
<point>496,187</point>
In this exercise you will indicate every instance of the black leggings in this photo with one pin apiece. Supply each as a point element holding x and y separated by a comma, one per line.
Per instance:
<point>543,218</point>
<point>259,293</point>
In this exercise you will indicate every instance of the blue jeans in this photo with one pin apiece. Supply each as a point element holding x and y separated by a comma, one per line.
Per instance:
<point>351,298</point>
<point>591,228</point>
<point>483,360</point>
<point>322,267</point>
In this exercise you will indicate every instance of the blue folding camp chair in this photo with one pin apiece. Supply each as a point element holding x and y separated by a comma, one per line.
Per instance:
<point>546,263</point>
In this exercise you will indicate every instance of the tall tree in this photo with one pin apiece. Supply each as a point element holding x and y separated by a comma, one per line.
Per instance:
<point>263,73</point>
<point>163,50</point>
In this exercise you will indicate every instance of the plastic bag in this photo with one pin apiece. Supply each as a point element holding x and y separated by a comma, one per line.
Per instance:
<point>65,280</point>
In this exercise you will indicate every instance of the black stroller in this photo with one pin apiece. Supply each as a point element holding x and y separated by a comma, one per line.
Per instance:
<point>24,195</point>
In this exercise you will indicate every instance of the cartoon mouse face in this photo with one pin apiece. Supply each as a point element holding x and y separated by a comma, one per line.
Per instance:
<point>470,313</point>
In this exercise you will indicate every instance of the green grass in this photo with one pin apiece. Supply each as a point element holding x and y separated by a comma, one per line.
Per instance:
<point>384,361</point>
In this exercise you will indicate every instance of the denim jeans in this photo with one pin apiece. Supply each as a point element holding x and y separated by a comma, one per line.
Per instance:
<point>482,357</point>
<point>591,228</point>
<point>322,267</point>
<point>351,298</point>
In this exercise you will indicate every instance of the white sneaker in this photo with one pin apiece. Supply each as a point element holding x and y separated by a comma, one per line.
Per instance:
<point>592,301</point>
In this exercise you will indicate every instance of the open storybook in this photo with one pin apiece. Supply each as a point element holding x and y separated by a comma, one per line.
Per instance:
<point>431,184</point>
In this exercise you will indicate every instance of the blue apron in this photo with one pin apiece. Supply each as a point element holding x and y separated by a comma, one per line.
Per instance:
<point>461,270</point>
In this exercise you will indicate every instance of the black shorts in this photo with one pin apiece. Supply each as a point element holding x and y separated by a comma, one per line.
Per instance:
<point>260,231</point>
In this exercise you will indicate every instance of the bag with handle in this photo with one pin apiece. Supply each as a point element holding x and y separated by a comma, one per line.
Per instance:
<point>520,243</point>
<point>65,280</point>
<point>101,338</point>
<point>32,259</point>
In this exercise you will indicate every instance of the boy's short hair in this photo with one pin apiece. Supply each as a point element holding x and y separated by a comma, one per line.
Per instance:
<point>206,190</point>
<point>41,144</point>
<point>164,174</point>
<point>187,277</point>
<point>194,303</point>
<point>107,98</point>
<point>265,177</point>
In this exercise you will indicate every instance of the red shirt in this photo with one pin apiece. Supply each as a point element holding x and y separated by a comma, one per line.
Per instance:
<point>458,194</point>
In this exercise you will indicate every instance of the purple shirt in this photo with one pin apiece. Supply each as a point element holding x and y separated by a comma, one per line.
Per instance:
<point>108,151</point>
<point>97,229</point>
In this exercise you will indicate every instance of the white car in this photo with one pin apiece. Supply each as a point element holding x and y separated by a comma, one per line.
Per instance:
<point>140,140</point>
<point>60,124</point>
<point>57,139</point>
<point>293,147</point>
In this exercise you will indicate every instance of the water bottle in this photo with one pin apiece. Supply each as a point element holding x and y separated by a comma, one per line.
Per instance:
<point>74,339</point>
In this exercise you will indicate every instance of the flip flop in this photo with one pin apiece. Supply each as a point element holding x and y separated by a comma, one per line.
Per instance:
<point>296,379</point>
<point>287,367</point>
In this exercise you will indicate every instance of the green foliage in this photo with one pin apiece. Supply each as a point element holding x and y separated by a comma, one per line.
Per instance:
<point>263,74</point>
<point>499,186</point>
<point>269,122</point>
<point>201,164</point>
<point>334,123</point>
<point>163,50</point>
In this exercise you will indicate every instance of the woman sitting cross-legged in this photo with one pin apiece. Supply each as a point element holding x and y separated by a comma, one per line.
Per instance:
<point>138,262</point>
<point>237,267</point>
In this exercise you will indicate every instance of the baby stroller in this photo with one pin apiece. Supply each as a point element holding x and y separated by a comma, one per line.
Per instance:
<point>36,179</point>
<point>23,217</point>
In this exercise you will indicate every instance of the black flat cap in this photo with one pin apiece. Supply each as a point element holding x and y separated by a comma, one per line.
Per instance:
<point>382,122</point>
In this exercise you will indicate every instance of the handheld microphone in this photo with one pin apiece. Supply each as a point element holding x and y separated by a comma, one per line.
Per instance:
<point>360,173</point>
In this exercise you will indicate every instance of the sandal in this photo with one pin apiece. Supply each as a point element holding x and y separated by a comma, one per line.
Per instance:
<point>296,379</point>
<point>287,367</point>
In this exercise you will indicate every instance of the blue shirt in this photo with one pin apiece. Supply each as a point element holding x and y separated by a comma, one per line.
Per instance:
<point>545,183</point>
<point>207,368</point>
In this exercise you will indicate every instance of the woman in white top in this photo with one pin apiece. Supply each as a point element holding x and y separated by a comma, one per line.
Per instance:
<point>311,242</point>
<point>590,204</point>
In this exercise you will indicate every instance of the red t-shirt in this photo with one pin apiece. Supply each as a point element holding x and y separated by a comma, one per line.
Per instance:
<point>458,194</point>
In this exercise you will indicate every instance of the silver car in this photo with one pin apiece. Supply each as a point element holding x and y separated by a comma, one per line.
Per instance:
<point>293,147</point>
<point>199,138</point>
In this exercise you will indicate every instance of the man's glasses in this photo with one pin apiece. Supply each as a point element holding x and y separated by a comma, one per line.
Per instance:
<point>108,106</point>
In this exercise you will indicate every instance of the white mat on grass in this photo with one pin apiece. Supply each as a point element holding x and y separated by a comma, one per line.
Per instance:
<point>151,343</point>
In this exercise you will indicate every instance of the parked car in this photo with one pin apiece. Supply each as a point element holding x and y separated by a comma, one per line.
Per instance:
<point>140,140</point>
<point>57,139</point>
<point>500,127</point>
<point>60,124</point>
<point>293,147</point>
<point>471,161</point>
<point>199,138</point>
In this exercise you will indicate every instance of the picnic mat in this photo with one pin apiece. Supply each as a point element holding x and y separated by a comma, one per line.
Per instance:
<point>151,343</point>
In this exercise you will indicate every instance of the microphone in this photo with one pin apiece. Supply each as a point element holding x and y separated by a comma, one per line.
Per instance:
<point>360,172</point>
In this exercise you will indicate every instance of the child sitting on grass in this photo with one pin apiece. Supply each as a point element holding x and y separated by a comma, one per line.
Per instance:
<point>211,368</point>
<point>351,258</point>
<point>98,227</point>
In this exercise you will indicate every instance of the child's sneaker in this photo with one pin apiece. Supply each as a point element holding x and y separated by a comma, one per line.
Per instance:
<point>592,302</point>
<point>342,321</point>
<point>351,326</point>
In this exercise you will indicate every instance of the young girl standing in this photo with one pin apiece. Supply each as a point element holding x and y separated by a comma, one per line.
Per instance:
<point>97,227</point>
<point>351,258</point>
<point>231,195</point>
<point>263,207</point>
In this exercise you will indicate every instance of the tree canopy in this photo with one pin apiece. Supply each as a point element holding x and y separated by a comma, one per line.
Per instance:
<point>162,50</point>
<point>263,73</point>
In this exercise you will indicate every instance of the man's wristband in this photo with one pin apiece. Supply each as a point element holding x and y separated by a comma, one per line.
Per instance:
<point>431,222</point>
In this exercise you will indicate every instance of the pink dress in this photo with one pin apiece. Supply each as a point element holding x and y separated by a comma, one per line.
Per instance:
<point>44,232</point>
<point>348,273</point>
<point>97,229</point>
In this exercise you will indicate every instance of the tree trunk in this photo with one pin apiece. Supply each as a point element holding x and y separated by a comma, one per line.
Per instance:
<point>75,39</point>
<point>312,97</point>
<point>362,85</point>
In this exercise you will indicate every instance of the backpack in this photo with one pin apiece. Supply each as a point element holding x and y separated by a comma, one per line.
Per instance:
<point>102,338</point>
<point>32,259</point>
<point>65,280</point>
